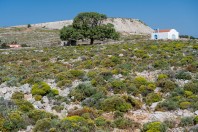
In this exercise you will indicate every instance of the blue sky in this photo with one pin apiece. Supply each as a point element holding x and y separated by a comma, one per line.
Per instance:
<point>179,14</point>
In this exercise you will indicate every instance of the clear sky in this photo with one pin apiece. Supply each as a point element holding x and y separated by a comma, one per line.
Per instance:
<point>164,14</point>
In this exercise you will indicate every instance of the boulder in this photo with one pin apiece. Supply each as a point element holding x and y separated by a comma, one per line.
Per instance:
<point>26,89</point>
<point>7,96</point>
<point>38,104</point>
<point>154,105</point>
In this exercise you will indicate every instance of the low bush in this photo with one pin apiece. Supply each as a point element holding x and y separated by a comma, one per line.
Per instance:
<point>154,127</point>
<point>162,76</point>
<point>77,73</point>
<point>136,104</point>
<point>38,97</point>
<point>118,114</point>
<point>139,81</point>
<point>18,95</point>
<point>118,86</point>
<point>85,110</point>
<point>54,92</point>
<point>123,123</point>
<point>183,75</point>
<point>166,85</point>
<point>77,124</point>
<point>185,105</point>
<point>100,121</point>
<point>114,103</point>
<point>64,83</point>
<point>82,91</point>
<point>195,120</point>
<point>186,121</point>
<point>153,97</point>
<point>58,108</point>
<point>36,115</point>
<point>23,105</point>
<point>42,125</point>
<point>188,93</point>
<point>191,86</point>
<point>41,88</point>
<point>167,105</point>
<point>14,122</point>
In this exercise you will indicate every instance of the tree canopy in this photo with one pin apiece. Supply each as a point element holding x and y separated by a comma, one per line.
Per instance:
<point>89,25</point>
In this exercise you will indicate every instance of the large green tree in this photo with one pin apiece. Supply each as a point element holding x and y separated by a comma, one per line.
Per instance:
<point>89,25</point>
<point>69,33</point>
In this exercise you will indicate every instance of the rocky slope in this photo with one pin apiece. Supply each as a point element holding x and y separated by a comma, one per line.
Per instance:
<point>123,25</point>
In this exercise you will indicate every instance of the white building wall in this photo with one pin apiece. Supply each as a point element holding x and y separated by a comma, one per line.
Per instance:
<point>160,35</point>
<point>172,34</point>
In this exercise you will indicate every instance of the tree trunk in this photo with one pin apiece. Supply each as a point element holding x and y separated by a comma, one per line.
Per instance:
<point>92,41</point>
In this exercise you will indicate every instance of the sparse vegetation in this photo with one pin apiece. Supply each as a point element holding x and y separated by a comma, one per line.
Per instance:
<point>99,87</point>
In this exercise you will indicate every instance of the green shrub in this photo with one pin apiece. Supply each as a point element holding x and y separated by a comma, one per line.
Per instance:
<point>118,86</point>
<point>195,120</point>
<point>168,105</point>
<point>24,105</point>
<point>94,100</point>
<point>191,86</point>
<point>139,81</point>
<point>151,86</point>
<point>54,92</point>
<point>36,115</point>
<point>16,120</point>
<point>118,114</point>
<point>100,121</point>
<point>162,76</point>
<point>170,123</point>
<point>153,97</point>
<point>186,60</point>
<point>77,73</point>
<point>123,123</point>
<point>188,93</point>
<point>91,74</point>
<point>160,64</point>
<point>183,75</point>
<point>106,74</point>
<point>166,85</point>
<point>82,91</point>
<point>137,104</point>
<point>42,125</point>
<point>38,97</point>
<point>41,88</point>
<point>18,95</point>
<point>184,105</point>
<point>65,82</point>
<point>186,121</point>
<point>114,103</point>
<point>154,127</point>
<point>76,124</point>
<point>58,108</point>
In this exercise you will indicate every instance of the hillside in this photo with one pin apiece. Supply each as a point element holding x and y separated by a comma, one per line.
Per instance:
<point>122,25</point>
<point>47,34</point>
<point>148,87</point>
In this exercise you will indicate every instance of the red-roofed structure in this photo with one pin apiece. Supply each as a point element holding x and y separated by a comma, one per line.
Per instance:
<point>171,34</point>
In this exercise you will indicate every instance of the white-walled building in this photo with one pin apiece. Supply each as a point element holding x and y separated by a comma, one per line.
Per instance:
<point>171,34</point>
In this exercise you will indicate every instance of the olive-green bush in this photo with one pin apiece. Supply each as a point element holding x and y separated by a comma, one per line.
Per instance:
<point>41,88</point>
<point>114,103</point>
<point>82,91</point>
<point>153,97</point>
<point>77,123</point>
<point>154,127</point>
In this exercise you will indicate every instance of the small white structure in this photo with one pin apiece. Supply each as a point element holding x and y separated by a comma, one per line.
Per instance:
<point>171,34</point>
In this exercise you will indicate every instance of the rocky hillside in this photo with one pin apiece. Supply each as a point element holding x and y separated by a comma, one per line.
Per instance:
<point>143,87</point>
<point>123,25</point>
